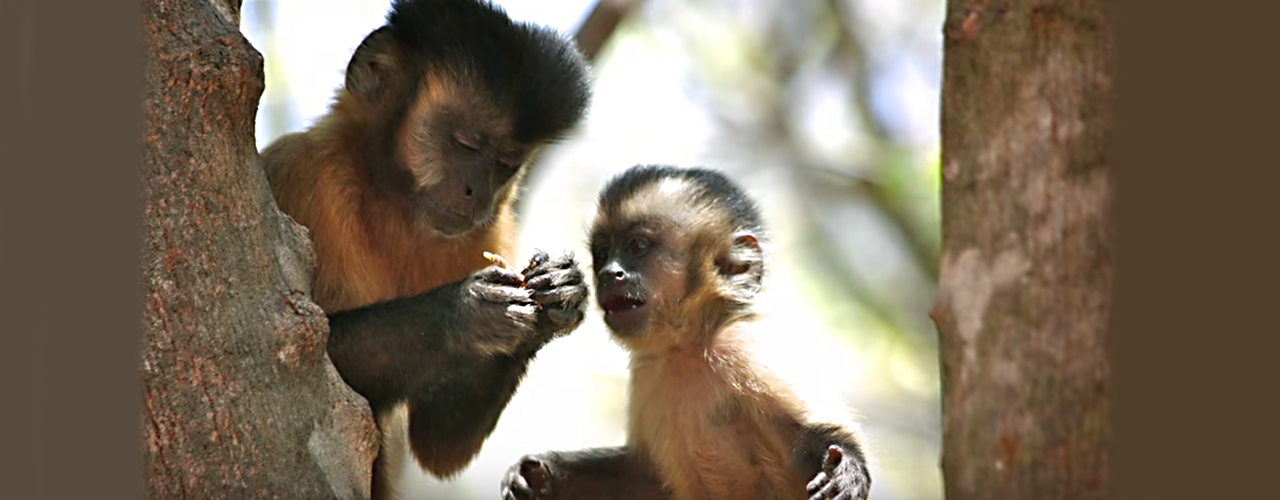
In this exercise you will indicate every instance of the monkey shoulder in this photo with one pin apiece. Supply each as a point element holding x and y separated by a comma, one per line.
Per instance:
<point>285,155</point>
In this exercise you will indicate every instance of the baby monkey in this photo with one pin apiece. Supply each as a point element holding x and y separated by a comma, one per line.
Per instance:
<point>678,261</point>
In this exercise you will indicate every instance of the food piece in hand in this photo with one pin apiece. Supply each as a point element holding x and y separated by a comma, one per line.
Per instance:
<point>497,259</point>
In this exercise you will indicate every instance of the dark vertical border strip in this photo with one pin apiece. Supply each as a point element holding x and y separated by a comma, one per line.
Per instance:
<point>1196,238</point>
<point>70,135</point>
<point>1197,228</point>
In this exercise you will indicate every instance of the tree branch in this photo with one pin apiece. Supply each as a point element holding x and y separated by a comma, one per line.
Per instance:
<point>600,25</point>
<point>591,37</point>
<point>923,252</point>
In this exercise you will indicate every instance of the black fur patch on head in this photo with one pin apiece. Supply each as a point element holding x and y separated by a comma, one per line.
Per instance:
<point>715,186</point>
<point>533,71</point>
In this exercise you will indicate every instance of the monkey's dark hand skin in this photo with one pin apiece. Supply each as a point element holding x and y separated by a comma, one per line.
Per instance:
<point>528,479</point>
<point>841,478</point>
<point>495,314</point>
<point>559,289</point>
<point>614,473</point>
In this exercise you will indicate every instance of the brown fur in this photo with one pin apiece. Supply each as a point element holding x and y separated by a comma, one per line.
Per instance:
<point>678,257</point>
<point>368,248</point>
<point>715,423</point>
<point>403,186</point>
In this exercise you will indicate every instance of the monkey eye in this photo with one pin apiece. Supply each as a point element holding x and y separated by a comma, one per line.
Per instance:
<point>511,163</point>
<point>465,142</point>
<point>598,254</point>
<point>511,159</point>
<point>638,245</point>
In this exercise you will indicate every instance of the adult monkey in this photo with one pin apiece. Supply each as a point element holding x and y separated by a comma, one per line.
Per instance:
<point>403,186</point>
<point>678,261</point>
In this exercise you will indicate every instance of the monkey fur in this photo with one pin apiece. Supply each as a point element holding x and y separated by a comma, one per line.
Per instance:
<point>677,258</point>
<point>403,186</point>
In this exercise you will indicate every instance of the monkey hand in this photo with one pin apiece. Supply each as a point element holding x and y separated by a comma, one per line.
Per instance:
<point>528,479</point>
<point>560,292</point>
<point>841,478</point>
<point>496,314</point>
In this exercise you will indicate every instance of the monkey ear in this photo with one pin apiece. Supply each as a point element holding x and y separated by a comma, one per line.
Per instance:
<point>743,264</point>
<point>373,61</point>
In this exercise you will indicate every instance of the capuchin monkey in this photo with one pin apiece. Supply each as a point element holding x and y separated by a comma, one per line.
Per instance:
<point>404,186</point>
<point>678,262</point>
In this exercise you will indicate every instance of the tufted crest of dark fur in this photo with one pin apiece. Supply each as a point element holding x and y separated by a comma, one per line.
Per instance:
<point>715,185</point>
<point>534,71</point>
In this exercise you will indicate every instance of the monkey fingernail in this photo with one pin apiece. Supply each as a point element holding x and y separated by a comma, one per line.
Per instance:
<point>538,259</point>
<point>833,456</point>
<point>499,276</point>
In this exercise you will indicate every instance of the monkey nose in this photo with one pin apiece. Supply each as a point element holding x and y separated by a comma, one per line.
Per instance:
<point>468,191</point>
<point>613,273</point>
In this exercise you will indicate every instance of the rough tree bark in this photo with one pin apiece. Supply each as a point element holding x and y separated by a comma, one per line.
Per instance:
<point>241,400</point>
<point>1025,289</point>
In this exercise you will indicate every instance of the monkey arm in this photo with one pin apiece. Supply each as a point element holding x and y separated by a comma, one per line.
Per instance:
<point>389,350</point>
<point>615,472</point>
<point>833,458</point>
<point>451,416</point>
<point>455,354</point>
<point>382,349</point>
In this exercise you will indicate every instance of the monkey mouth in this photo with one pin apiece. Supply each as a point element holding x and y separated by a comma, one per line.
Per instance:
<point>452,229</point>
<point>624,315</point>
<point>621,304</point>
<point>450,223</point>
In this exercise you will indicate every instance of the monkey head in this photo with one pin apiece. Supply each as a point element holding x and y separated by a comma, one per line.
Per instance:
<point>673,248</point>
<point>451,97</point>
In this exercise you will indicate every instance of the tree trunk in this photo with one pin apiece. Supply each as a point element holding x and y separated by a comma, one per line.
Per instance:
<point>241,400</point>
<point>1024,297</point>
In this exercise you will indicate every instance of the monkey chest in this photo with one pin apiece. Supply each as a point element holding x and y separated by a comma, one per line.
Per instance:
<point>720,451</point>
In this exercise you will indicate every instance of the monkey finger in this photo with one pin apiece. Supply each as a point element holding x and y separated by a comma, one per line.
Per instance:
<point>539,272</point>
<point>515,488</point>
<point>496,328</point>
<point>499,275</point>
<point>559,277</point>
<point>514,484</point>
<point>845,494</point>
<point>519,489</point>
<point>827,491</point>
<point>833,457</point>
<point>536,262</point>
<point>565,262</point>
<point>566,295</point>
<point>819,481</point>
<point>562,262</point>
<point>536,476</point>
<point>522,315</point>
<point>564,318</point>
<point>536,471</point>
<point>501,294</point>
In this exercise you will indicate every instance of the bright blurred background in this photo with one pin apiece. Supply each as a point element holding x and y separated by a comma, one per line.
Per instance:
<point>825,110</point>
